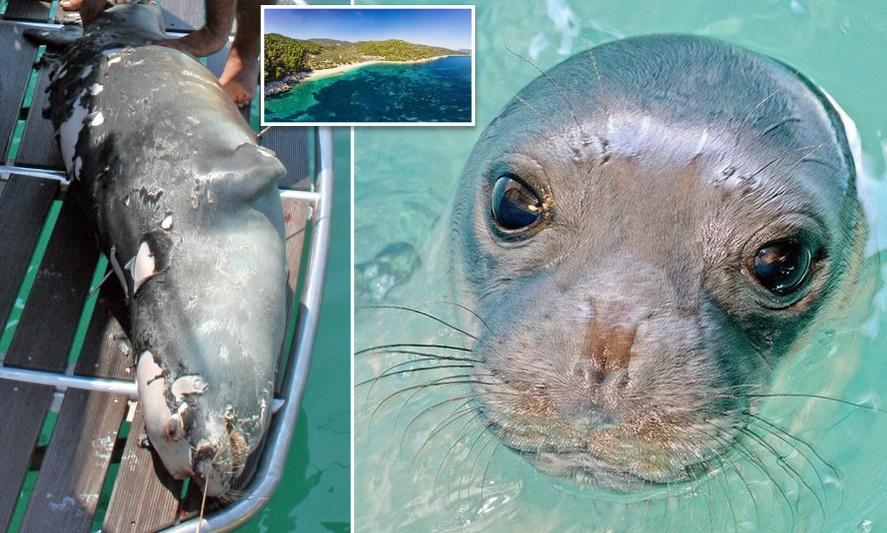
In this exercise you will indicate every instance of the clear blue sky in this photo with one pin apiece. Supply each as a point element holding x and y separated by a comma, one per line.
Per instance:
<point>450,28</point>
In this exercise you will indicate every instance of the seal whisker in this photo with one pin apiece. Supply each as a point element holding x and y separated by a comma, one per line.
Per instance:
<point>383,347</point>
<point>459,412</point>
<point>753,110</point>
<point>816,397</point>
<point>449,452</point>
<point>468,309</point>
<point>779,124</point>
<point>756,460</point>
<point>722,478</point>
<point>809,446</point>
<point>388,374</point>
<point>427,355</point>
<point>554,85</point>
<point>463,379</point>
<point>806,459</point>
<point>783,463</point>
<point>421,389</point>
<point>422,357</point>
<point>728,444</point>
<point>421,313</point>
<point>805,156</point>
<point>483,479</point>
<point>465,479</point>
<point>431,408</point>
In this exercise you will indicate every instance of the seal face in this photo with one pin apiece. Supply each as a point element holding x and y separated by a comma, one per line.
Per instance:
<point>648,228</point>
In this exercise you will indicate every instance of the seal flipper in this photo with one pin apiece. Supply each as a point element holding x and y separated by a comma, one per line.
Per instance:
<point>250,170</point>
<point>152,258</point>
<point>61,38</point>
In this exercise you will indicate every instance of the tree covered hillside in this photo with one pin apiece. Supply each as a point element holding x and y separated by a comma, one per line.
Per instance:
<point>397,50</point>
<point>285,55</point>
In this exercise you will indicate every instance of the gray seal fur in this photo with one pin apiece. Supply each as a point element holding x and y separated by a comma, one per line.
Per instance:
<point>662,163</point>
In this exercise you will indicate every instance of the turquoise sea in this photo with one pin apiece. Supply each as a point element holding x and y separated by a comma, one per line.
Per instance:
<point>415,471</point>
<point>432,91</point>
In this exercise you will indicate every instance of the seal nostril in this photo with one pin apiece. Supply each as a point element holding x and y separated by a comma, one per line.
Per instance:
<point>610,339</point>
<point>175,428</point>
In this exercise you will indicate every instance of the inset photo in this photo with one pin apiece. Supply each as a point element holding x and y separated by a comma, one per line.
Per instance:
<point>368,65</point>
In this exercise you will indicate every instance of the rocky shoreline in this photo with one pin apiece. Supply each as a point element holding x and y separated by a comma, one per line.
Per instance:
<point>283,85</point>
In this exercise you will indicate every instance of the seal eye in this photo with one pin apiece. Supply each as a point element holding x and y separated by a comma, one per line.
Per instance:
<point>514,205</point>
<point>782,266</point>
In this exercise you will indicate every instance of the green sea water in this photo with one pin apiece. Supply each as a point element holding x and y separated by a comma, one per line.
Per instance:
<point>432,91</point>
<point>314,492</point>
<point>409,478</point>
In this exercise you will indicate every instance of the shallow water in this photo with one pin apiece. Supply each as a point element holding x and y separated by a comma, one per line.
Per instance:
<point>417,472</point>
<point>315,489</point>
<point>434,91</point>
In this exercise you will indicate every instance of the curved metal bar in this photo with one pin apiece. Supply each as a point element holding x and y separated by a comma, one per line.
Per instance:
<point>273,460</point>
<point>64,381</point>
<point>62,177</point>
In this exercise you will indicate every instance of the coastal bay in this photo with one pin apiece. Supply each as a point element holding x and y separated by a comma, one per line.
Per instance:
<point>436,89</point>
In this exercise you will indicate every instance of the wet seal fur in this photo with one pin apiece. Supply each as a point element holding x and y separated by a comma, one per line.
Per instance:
<point>624,339</point>
<point>185,205</point>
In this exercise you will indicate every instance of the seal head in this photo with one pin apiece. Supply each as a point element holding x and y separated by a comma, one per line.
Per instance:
<point>648,228</point>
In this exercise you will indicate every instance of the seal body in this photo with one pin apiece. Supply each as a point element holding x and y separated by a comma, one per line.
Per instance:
<point>645,231</point>
<point>186,207</point>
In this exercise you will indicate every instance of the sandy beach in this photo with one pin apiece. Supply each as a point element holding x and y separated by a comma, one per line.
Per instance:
<point>327,72</point>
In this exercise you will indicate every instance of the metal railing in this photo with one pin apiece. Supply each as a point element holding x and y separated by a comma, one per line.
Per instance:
<point>286,406</point>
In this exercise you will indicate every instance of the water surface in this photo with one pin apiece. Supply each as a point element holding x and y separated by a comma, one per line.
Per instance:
<point>432,91</point>
<point>459,479</point>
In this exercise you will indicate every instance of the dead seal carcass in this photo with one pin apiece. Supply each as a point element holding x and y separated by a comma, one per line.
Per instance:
<point>186,207</point>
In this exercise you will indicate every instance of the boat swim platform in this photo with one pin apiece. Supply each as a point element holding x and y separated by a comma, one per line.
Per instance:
<point>73,454</point>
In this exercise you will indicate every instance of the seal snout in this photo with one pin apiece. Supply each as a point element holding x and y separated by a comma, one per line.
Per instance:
<point>609,343</point>
<point>609,340</point>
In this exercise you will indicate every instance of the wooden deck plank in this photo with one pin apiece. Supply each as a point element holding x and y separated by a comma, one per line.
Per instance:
<point>78,456</point>
<point>38,147</point>
<point>16,73</point>
<point>27,10</point>
<point>182,15</point>
<point>49,321</point>
<point>145,497</point>
<point>22,403</point>
<point>290,143</point>
<point>23,207</point>
<point>295,216</point>
<point>43,338</point>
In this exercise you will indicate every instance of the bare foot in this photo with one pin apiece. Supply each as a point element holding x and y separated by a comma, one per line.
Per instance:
<point>200,43</point>
<point>89,9</point>
<point>240,76</point>
<point>70,5</point>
